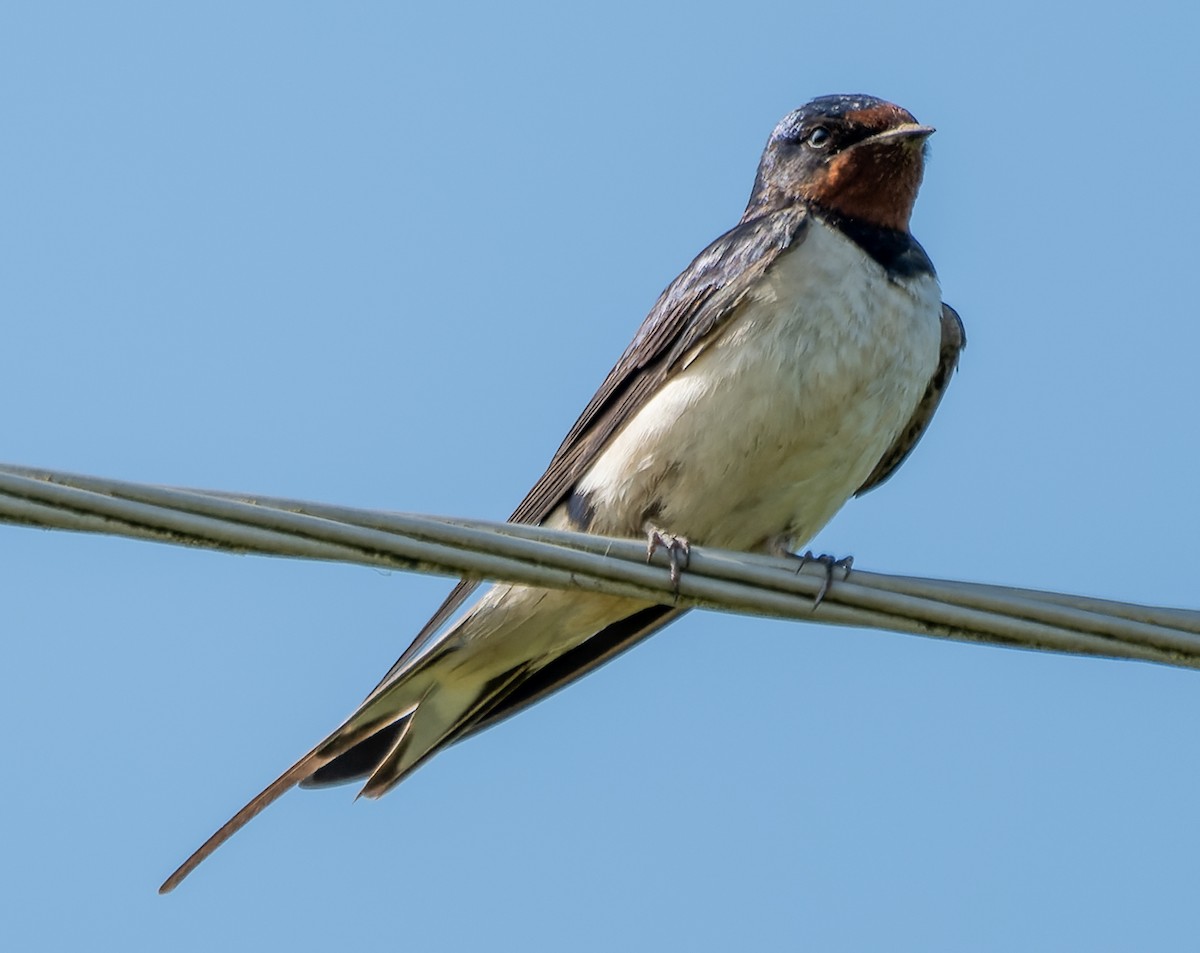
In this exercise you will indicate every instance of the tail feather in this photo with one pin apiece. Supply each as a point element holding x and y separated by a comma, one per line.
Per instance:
<point>358,762</point>
<point>346,737</point>
<point>437,720</point>
<point>411,736</point>
<point>276,789</point>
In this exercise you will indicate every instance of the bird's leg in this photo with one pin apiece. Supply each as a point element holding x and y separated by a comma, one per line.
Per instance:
<point>830,563</point>
<point>677,547</point>
<point>780,547</point>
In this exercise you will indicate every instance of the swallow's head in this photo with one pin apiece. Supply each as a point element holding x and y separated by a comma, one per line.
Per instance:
<point>855,156</point>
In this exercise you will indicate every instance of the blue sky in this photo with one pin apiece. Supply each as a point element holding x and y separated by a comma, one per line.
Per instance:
<point>382,256</point>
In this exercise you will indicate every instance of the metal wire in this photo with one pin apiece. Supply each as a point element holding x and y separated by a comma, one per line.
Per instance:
<point>536,556</point>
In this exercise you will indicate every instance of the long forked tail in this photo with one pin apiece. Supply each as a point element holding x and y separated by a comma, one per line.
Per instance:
<point>441,698</point>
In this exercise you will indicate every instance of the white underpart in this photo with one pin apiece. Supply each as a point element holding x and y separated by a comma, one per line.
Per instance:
<point>763,436</point>
<point>772,428</point>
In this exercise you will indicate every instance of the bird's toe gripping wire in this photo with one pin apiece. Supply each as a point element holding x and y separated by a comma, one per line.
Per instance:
<point>678,552</point>
<point>830,563</point>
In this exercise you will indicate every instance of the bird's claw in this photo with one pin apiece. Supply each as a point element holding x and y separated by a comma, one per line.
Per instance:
<point>830,563</point>
<point>678,552</point>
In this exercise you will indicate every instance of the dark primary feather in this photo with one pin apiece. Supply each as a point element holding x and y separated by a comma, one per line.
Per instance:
<point>695,306</point>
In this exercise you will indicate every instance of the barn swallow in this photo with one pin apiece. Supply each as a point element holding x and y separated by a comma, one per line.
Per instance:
<point>794,364</point>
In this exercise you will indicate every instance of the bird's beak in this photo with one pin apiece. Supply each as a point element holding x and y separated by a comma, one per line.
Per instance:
<point>908,130</point>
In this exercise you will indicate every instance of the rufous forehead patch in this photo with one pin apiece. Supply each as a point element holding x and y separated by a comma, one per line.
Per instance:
<point>880,117</point>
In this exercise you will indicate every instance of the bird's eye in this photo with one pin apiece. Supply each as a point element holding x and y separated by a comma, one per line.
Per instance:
<point>819,138</point>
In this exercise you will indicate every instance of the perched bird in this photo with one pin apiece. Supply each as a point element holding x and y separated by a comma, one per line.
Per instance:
<point>794,364</point>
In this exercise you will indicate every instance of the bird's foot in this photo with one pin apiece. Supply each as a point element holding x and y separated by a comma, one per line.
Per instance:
<point>830,563</point>
<point>678,551</point>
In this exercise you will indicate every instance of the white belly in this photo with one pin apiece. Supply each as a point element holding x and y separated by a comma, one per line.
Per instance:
<point>771,428</point>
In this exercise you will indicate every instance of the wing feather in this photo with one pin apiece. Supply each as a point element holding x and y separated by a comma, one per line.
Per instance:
<point>954,339</point>
<point>688,314</point>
